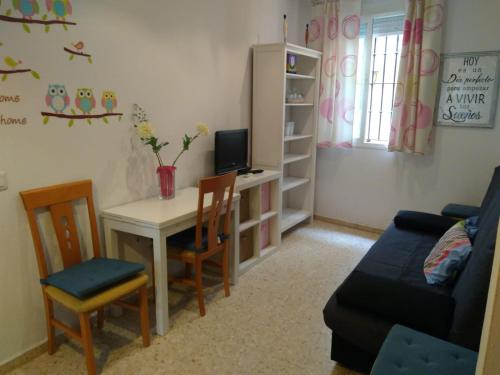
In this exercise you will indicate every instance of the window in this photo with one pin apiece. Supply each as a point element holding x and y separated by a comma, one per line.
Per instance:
<point>378,60</point>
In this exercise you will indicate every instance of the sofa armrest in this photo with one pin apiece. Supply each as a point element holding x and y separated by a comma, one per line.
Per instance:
<point>394,300</point>
<point>461,211</point>
<point>424,222</point>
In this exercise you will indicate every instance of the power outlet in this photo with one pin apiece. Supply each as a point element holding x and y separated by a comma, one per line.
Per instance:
<point>3,181</point>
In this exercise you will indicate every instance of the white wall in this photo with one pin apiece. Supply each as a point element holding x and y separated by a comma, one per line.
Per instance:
<point>368,187</point>
<point>184,61</point>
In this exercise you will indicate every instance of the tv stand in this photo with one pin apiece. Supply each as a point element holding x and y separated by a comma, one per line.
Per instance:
<point>258,217</point>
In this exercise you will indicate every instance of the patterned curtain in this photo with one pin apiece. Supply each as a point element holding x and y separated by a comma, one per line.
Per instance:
<point>413,112</point>
<point>334,30</point>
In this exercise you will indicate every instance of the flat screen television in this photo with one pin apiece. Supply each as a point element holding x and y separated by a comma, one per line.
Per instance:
<point>231,151</point>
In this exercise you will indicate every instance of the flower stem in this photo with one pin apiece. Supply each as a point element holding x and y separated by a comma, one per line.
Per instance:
<point>183,149</point>
<point>159,159</point>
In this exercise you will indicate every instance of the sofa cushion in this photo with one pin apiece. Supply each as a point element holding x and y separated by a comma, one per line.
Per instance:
<point>409,352</point>
<point>449,255</point>
<point>424,222</point>
<point>92,276</point>
<point>389,282</point>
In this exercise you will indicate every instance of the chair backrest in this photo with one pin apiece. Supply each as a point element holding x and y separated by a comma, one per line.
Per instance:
<point>58,199</point>
<point>217,186</point>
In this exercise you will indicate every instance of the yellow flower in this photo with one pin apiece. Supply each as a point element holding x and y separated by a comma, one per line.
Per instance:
<point>202,128</point>
<point>145,130</point>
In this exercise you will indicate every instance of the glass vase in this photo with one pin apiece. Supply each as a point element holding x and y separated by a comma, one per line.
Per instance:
<point>166,177</point>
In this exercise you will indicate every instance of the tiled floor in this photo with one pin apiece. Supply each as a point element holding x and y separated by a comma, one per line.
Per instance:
<point>271,324</point>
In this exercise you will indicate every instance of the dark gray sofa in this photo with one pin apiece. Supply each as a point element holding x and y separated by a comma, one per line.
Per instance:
<point>388,286</point>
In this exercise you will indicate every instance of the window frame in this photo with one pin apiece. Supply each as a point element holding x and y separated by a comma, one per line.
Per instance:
<point>361,140</point>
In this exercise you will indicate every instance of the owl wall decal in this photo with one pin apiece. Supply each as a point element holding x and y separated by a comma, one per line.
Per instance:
<point>60,8</point>
<point>109,101</point>
<point>57,98</point>
<point>28,8</point>
<point>85,100</point>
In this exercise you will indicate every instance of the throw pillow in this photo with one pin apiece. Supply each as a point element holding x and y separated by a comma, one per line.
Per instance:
<point>449,255</point>
<point>472,226</point>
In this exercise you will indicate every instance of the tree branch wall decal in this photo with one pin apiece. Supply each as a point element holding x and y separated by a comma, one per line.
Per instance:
<point>14,69</point>
<point>78,51</point>
<point>29,9</point>
<point>59,101</point>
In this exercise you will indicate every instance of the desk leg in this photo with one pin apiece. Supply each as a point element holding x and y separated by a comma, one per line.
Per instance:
<point>161,286</point>
<point>111,241</point>
<point>235,253</point>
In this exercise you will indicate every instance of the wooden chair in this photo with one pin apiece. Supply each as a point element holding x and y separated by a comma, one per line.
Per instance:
<point>59,201</point>
<point>208,241</point>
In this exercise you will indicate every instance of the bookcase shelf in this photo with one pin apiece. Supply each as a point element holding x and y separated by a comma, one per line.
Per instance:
<point>292,138</point>
<point>299,76</point>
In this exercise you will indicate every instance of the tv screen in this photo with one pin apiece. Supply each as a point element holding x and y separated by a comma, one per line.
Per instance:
<point>231,151</point>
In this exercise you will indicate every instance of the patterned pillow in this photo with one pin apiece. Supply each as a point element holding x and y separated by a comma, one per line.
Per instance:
<point>472,226</point>
<point>449,255</point>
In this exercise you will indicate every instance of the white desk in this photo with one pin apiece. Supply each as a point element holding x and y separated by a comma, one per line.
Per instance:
<point>157,219</point>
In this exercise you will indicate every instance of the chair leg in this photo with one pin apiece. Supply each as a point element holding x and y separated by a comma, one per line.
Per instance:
<point>87,342</point>
<point>199,286</point>
<point>225,271</point>
<point>100,318</point>
<point>143,307</point>
<point>49,315</point>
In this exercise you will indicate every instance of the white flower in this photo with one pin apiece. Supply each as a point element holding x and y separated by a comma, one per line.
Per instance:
<point>202,128</point>
<point>145,130</point>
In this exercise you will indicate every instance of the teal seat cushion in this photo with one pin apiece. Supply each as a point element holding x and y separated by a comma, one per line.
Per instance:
<point>187,240</point>
<point>410,352</point>
<point>92,276</point>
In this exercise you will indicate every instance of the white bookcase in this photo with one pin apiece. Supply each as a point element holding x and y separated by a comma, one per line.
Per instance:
<point>294,156</point>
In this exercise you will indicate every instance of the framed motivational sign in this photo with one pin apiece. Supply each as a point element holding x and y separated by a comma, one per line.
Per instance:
<point>468,89</point>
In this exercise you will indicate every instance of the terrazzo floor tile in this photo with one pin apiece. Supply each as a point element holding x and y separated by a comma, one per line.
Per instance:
<point>271,324</point>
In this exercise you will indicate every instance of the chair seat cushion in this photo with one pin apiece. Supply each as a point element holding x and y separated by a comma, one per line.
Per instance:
<point>92,276</point>
<point>98,300</point>
<point>186,240</point>
<point>409,352</point>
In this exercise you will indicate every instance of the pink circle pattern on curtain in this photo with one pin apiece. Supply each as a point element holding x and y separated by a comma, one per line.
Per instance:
<point>338,23</point>
<point>333,27</point>
<point>326,109</point>
<point>433,17</point>
<point>349,65</point>
<point>330,65</point>
<point>315,29</point>
<point>429,62</point>
<point>414,104</point>
<point>350,27</point>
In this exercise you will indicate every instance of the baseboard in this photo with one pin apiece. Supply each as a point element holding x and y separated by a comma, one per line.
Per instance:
<point>347,224</point>
<point>21,359</point>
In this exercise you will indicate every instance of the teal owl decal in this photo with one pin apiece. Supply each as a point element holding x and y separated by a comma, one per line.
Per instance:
<point>85,100</point>
<point>60,8</point>
<point>28,8</point>
<point>57,98</point>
